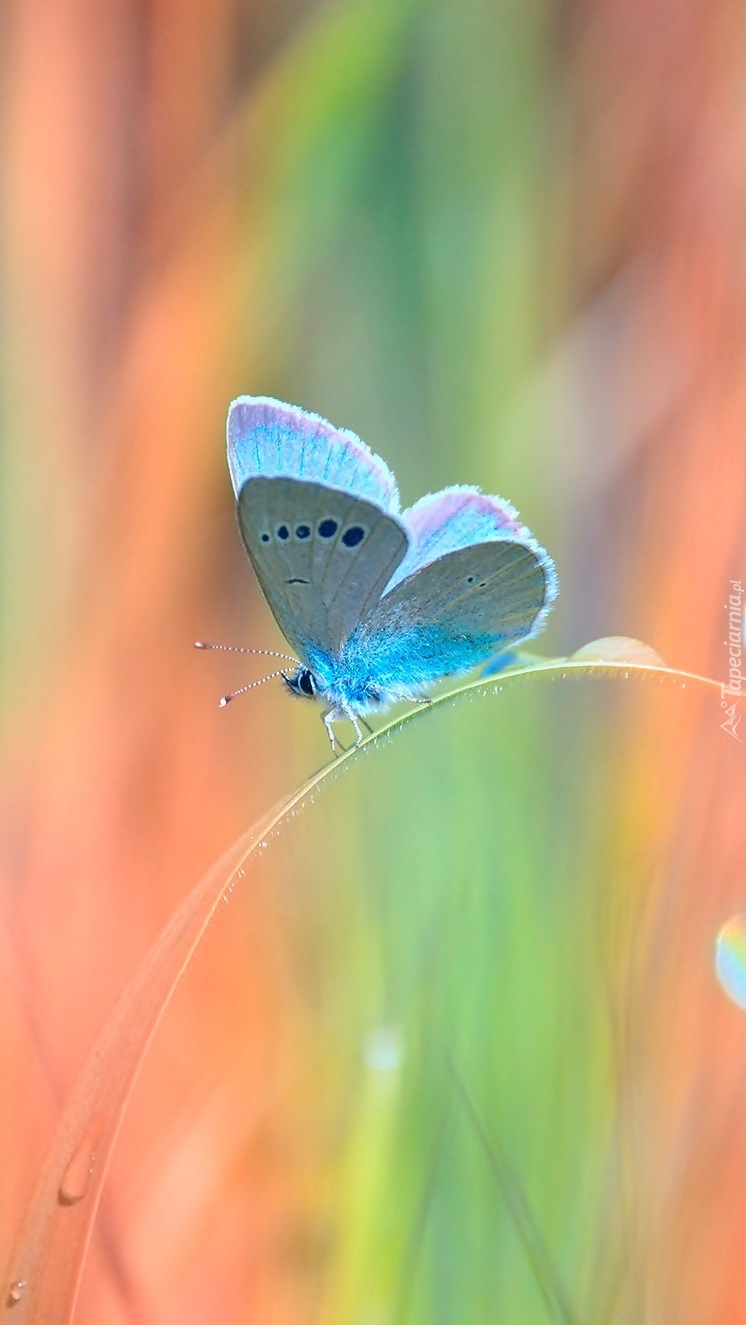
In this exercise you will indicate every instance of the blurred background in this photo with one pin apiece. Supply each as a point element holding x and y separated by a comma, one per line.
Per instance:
<point>455,1051</point>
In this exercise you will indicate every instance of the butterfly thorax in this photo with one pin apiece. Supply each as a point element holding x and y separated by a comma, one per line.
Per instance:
<point>354,681</point>
<point>355,694</point>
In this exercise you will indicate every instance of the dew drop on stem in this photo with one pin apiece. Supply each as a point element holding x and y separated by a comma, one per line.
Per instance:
<point>16,1291</point>
<point>74,1182</point>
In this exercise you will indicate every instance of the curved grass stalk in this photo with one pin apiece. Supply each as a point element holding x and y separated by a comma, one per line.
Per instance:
<point>45,1271</point>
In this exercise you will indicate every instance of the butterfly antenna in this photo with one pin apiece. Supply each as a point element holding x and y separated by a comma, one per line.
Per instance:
<point>238,648</point>
<point>252,686</point>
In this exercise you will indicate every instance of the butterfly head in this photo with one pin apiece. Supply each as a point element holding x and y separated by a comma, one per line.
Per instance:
<point>302,683</point>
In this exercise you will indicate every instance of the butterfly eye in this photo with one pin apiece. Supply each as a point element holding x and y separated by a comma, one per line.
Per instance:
<point>328,528</point>
<point>306,683</point>
<point>302,531</point>
<point>283,532</point>
<point>352,536</point>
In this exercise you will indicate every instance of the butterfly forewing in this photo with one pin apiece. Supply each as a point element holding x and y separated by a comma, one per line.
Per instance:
<point>270,438</point>
<point>323,557</point>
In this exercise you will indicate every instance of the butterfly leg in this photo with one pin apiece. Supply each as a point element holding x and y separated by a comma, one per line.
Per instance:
<point>358,728</point>
<point>334,741</point>
<point>335,715</point>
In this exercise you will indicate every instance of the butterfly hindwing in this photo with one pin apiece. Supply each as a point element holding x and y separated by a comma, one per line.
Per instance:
<point>457,611</point>
<point>323,557</point>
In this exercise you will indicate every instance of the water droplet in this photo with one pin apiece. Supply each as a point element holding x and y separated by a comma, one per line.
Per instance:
<point>74,1183</point>
<point>730,959</point>
<point>382,1049</point>
<point>16,1291</point>
<point>618,648</point>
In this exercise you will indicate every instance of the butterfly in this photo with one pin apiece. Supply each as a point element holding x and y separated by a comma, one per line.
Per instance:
<point>378,603</point>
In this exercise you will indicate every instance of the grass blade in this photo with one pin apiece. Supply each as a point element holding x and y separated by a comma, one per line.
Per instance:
<point>46,1267</point>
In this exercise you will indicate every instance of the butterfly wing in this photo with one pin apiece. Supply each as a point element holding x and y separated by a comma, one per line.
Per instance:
<point>270,438</point>
<point>323,557</point>
<point>455,518</point>
<point>460,576</point>
<point>456,612</point>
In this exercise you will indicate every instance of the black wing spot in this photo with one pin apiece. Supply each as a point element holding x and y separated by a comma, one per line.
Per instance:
<point>283,532</point>
<point>303,531</point>
<point>470,579</point>
<point>328,528</point>
<point>483,584</point>
<point>264,538</point>
<point>352,536</point>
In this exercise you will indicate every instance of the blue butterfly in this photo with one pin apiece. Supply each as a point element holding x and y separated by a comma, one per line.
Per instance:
<point>378,603</point>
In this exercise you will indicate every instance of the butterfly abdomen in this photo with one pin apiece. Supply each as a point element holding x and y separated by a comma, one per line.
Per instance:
<point>407,662</point>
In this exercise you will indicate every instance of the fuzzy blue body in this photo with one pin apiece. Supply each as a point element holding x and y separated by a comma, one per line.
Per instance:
<point>375,672</point>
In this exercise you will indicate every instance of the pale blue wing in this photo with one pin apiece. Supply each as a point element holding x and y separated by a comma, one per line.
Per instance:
<point>454,613</point>
<point>454,518</point>
<point>269,438</point>
<point>323,557</point>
